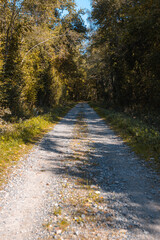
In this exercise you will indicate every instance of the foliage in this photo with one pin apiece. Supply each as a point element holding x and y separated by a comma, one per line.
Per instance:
<point>40,52</point>
<point>43,61</point>
<point>124,53</point>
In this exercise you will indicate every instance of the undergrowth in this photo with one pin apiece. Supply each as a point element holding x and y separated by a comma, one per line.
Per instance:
<point>143,138</point>
<point>20,138</point>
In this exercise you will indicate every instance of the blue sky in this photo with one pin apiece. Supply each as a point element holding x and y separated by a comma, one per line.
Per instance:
<point>84,4</point>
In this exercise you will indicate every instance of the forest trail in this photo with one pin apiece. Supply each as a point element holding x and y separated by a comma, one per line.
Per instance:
<point>81,182</point>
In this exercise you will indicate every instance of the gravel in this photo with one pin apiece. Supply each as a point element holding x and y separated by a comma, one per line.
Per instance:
<point>42,180</point>
<point>132,190</point>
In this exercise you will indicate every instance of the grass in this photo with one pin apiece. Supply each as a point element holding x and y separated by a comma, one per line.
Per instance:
<point>143,138</point>
<point>20,138</point>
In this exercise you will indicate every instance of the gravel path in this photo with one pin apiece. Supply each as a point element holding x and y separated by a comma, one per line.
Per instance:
<point>37,198</point>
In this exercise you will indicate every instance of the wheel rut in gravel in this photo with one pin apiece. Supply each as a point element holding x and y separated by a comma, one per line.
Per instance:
<point>81,182</point>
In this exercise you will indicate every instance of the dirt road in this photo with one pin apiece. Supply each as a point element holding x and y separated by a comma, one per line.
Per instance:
<point>81,182</point>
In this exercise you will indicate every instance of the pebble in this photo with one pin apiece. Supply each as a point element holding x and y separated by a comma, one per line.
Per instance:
<point>77,233</point>
<point>97,192</point>
<point>59,231</point>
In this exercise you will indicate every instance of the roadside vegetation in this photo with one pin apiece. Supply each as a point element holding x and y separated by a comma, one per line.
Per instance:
<point>142,137</point>
<point>45,60</point>
<point>19,138</point>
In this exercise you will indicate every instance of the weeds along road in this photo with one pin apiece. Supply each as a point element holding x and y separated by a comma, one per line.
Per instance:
<point>81,182</point>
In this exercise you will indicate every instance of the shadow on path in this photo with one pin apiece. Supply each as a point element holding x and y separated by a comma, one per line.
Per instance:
<point>130,188</point>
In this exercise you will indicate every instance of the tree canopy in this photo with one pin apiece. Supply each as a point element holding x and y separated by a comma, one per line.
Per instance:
<point>43,60</point>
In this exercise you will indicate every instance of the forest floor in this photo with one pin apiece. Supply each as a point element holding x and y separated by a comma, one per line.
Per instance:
<point>81,181</point>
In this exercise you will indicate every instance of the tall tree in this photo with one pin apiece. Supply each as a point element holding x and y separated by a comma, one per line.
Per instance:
<point>127,40</point>
<point>39,48</point>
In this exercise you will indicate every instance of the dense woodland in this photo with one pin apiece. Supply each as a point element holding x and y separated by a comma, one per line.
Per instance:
<point>48,56</point>
<point>124,57</point>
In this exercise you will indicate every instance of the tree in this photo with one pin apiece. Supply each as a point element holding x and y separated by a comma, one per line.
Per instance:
<point>40,53</point>
<point>126,39</point>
